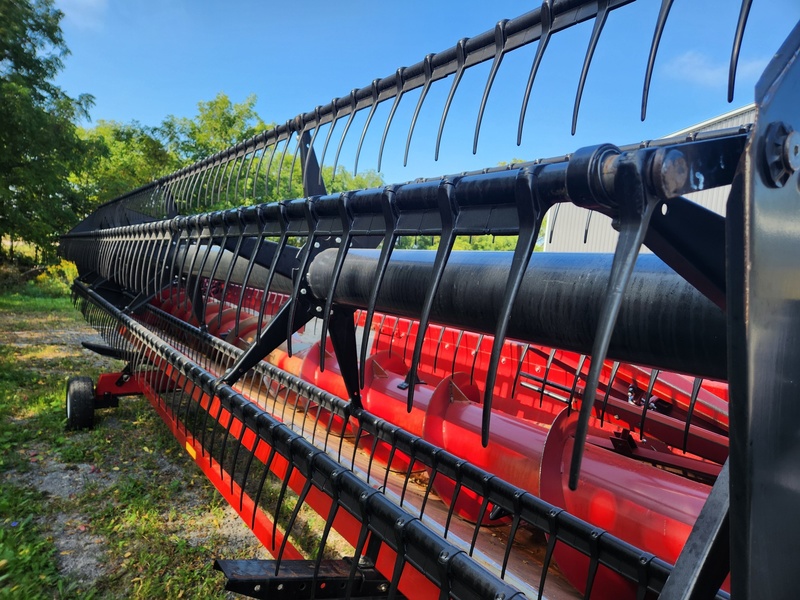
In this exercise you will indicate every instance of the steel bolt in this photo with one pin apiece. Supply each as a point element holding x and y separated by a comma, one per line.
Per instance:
<point>383,587</point>
<point>791,150</point>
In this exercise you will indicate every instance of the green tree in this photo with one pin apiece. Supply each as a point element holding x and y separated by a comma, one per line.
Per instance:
<point>121,157</point>
<point>219,124</point>
<point>39,145</point>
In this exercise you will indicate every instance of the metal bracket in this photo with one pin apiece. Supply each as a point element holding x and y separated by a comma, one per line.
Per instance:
<point>295,579</point>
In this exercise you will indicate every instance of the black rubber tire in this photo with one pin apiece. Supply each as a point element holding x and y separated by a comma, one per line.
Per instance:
<point>80,403</point>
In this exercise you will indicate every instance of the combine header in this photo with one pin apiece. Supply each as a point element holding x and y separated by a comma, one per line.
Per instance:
<point>476,424</point>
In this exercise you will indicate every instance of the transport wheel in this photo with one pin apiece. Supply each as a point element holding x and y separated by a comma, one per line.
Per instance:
<point>80,403</point>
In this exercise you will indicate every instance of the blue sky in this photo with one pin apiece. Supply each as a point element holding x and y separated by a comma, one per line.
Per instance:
<point>144,59</point>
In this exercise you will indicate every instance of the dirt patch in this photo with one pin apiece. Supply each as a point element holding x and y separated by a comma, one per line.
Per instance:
<point>80,554</point>
<point>59,480</point>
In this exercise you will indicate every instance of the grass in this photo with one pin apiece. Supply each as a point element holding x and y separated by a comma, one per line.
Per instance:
<point>134,501</point>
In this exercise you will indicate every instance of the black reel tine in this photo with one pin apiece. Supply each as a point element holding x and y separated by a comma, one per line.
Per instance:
<point>481,515</point>
<point>269,169</point>
<point>475,355</point>
<point>389,239</point>
<point>653,376</point>
<point>634,219</point>
<point>191,273</point>
<point>180,230</point>
<point>344,245</point>
<point>356,442</point>
<point>183,275</point>
<point>344,132</point>
<point>744,13</point>
<point>359,548</point>
<point>248,272</point>
<point>500,39</point>
<point>373,448</point>
<point>461,59</point>
<point>546,18</point>
<point>204,427</point>
<point>301,273</point>
<point>412,456</point>
<point>267,469</point>
<point>297,147</point>
<point>273,268</point>
<point>283,157</point>
<point>310,153</point>
<point>400,562</point>
<point>456,349</point>
<point>456,492</point>
<point>225,442</point>
<point>290,193</point>
<point>241,160</point>
<point>614,369</point>
<point>247,175</point>
<point>431,479</point>
<point>530,216</point>
<point>408,337</point>
<point>663,13</point>
<point>546,373</point>
<point>212,277</point>
<point>553,223</point>
<point>229,273</point>
<point>279,503</point>
<point>522,355</point>
<point>594,561</point>
<point>254,191</point>
<point>448,212</point>
<point>380,331</point>
<point>246,473</point>
<point>399,90</point>
<point>325,533</point>
<point>214,426</point>
<point>586,227</point>
<point>698,381</point>
<point>438,345</point>
<point>370,114</point>
<point>552,518</point>
<point>328,137</point>
<point>573,391</point>
<point>512,534</point>
<point>392,452</point>
<point>301,499</point>
<point>428,73</point>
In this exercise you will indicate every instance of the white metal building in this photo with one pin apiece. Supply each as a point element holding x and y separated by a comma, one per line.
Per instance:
<point>575,229</point>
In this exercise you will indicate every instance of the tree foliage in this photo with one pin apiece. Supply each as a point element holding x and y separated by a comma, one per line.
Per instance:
<point>39,145</point>
<point>219,124</point>
<point>121,157</point>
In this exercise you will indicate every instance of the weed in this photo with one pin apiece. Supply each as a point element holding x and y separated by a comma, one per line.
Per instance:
<point>27,565</point>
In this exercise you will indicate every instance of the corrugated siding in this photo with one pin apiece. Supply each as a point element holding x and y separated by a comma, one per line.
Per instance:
<point>570,224</point>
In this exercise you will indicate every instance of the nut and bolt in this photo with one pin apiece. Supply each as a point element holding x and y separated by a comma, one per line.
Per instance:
<point>791,151</point>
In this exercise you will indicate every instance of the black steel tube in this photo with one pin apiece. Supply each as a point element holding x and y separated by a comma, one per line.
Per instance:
<point>664,322</point>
